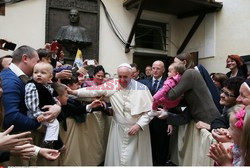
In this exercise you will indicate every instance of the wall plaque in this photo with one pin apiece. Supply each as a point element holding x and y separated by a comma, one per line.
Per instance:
<point>57,16</point>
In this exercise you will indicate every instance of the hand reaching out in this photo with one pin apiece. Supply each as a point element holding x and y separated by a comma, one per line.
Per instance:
<point>8,142</point>
<point>161,113</point>
<point>97,103</point>
<point>49,154</point>
<point>72,92</point>
<point>64,74</point>
<point>26,151</point>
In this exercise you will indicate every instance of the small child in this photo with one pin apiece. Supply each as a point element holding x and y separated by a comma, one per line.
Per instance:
<point>174,75</point>
<point>71,107</point>
<point>62,94</point>
<point>236,154</point>
<point>38,93</point>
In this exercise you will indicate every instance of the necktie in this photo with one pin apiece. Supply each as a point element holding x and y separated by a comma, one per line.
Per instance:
<point>24,78</point>
<point>155,86</point>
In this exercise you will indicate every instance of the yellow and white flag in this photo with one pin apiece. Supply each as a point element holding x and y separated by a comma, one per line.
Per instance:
<point>78,59</point>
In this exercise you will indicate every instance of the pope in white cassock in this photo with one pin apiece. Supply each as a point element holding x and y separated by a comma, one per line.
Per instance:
<point>129,137</point>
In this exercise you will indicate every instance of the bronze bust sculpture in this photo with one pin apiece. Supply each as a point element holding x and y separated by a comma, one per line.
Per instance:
<point>73,36</point>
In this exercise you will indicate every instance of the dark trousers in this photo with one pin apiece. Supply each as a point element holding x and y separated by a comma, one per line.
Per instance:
<point>159,141</point>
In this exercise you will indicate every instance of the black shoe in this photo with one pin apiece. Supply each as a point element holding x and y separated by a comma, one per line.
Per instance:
<point>48,144</point>
<point>170,163</point>
<point>59,144</point>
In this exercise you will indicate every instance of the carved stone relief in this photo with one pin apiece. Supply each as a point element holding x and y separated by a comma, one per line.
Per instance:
<point>57,16</point>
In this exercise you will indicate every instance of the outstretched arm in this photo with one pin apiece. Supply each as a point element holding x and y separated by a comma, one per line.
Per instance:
<point>49,154</point>
<point>8,142</point>
<point>176,117</point>
<point>105,89</point>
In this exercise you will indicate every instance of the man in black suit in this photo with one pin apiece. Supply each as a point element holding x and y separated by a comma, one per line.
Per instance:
<point>158,127</point>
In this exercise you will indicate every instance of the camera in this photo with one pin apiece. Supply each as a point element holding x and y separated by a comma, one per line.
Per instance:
<point>91,62</point>
<point>9,46</point>
<point>74,69</point>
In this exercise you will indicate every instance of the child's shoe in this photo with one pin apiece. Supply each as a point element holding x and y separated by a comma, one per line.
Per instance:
<point>48,144</point>
<point>152,113</point>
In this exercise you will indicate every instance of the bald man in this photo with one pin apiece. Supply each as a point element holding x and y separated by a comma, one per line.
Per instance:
<point>158,127</point>
<point>129,137</point>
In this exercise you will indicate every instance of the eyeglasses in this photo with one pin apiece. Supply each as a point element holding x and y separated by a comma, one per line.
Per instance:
<point>226,93</point>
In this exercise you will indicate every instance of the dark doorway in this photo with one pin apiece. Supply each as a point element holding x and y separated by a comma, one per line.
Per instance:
<point>195,56</point>
<point>144,59</point>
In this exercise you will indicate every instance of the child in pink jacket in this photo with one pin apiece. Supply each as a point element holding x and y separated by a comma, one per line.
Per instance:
<point>174,75</point>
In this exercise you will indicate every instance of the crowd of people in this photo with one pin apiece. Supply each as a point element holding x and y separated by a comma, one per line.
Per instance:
<point>78,116</point>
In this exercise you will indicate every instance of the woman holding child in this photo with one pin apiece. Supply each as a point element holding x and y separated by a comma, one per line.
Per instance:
<point>200,107</point>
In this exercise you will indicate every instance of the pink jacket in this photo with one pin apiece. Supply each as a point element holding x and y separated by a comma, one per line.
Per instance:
<point>160,96</point>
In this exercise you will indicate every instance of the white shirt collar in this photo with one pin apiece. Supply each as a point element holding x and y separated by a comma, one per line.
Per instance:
<point>159,79</point>
<point>16,70</point>
<point>54,56</point>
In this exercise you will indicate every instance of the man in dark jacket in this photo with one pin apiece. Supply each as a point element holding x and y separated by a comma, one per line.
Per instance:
<point>158,127</point>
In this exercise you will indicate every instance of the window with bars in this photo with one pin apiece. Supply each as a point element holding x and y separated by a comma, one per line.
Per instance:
<point>151,35</point>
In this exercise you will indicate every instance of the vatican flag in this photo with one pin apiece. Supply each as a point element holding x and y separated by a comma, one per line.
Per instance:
<point>78,59</point>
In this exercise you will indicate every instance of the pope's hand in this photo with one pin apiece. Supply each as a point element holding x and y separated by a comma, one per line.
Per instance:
<point>133,130</point>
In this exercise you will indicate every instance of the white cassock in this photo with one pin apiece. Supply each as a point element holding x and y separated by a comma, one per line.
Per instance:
<point>130,106</point>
